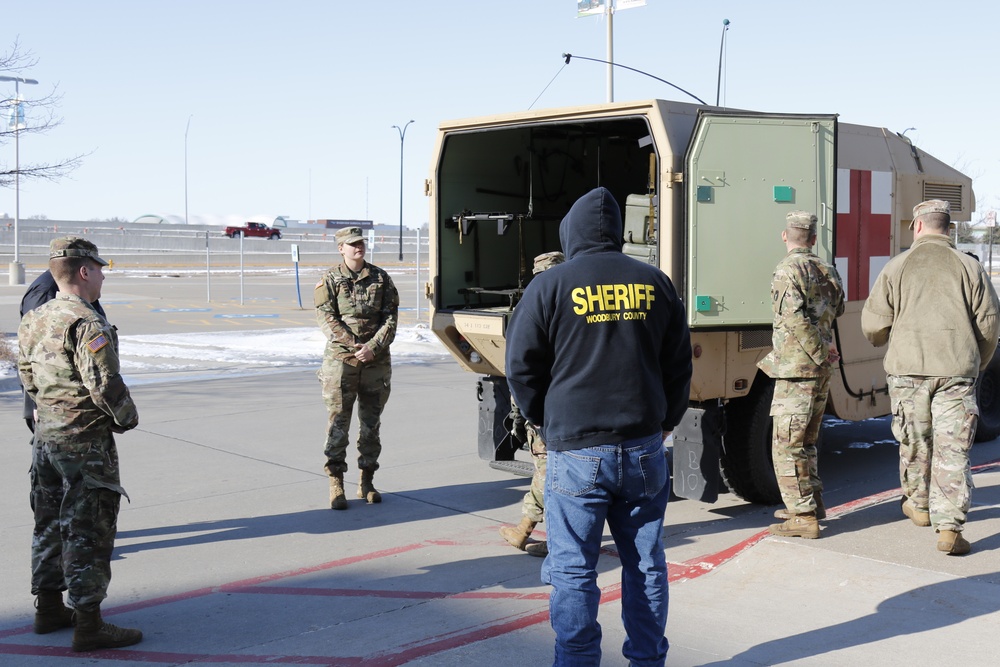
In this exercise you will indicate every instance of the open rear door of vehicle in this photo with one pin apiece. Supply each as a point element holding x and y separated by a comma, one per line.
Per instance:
<point>743,172</point>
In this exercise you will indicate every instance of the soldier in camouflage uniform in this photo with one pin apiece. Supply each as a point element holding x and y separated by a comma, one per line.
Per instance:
<point>68,364</point>
<point>356,306</point>
<point>937,310</point>
<point>42,289</point>
<point>533,506</point>
<point>806,296</point>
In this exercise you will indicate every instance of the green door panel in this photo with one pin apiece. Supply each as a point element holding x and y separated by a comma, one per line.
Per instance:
<point>743,174</point>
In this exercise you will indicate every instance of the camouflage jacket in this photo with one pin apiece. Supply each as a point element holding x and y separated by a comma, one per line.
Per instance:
<point>937,310</point>
<point>356,308</point>
<point>806,297</point>
<point>68,364</point>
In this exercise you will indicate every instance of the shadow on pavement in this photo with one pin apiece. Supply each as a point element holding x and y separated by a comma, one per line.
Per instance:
<point>921,609</point>
<point>396,508</point>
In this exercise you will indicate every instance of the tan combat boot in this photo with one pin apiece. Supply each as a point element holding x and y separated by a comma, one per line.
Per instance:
<point>50,613</point>
<point>952,542</point>
<point>367,489</point>
<point>92,633</point>
<point>338,501</point>
<point>517,536</point>
<point>800,525</point>
<point>784,514</point>
<point>918,516</point>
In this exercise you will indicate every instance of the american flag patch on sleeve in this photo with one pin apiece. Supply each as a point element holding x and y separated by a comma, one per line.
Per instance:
<point>97,343</point>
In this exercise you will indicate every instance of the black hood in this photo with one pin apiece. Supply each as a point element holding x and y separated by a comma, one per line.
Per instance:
<point>593,224</point>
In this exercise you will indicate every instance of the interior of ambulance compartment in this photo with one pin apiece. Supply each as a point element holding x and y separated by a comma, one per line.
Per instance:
<point>502,193</point>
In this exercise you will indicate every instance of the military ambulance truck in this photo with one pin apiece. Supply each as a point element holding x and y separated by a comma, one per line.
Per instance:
<point>704,193</point>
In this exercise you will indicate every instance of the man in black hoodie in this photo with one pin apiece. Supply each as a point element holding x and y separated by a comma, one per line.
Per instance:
<point>599,359</point>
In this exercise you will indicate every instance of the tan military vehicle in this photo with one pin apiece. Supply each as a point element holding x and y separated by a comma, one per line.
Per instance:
<point>704,193</point>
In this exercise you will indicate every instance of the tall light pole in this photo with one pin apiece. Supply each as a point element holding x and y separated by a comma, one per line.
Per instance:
<point>402,138</point>
<point>611,51</point>
<point>186,168</point>
<point>16,269</point>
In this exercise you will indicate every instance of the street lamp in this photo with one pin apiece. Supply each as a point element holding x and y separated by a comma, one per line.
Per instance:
<point>402,138</point>
<point>16,270</point>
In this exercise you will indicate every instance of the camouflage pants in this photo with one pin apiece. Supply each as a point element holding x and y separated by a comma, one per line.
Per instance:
<point>533,506</point>
<point>75,493</point>
<point>343,383</point>
<point>934,420</point>
<point>797,410</point>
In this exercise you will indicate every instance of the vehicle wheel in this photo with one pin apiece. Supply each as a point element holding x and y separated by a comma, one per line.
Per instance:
<point>988,399</point>
<point>236,235</point>
<point>746,446</point>
<point>273,236</point>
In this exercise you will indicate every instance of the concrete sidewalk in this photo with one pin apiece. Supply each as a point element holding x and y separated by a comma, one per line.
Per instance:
<point>229,555</point>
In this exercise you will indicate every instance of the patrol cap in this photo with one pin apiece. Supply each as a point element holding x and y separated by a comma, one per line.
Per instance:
<point>800,220</point>
<point>349,235</point>
<point>547,260</point>
<point>931,206</point>
<point>74,246</point>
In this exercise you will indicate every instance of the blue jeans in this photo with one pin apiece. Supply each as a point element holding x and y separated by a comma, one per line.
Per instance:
<point>626,484</point>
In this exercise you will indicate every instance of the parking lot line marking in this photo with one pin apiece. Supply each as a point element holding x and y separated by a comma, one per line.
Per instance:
<point>181,310</point>
<point>245,315</point>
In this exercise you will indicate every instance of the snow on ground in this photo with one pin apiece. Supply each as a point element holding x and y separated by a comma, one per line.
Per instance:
<point>272,347</point>
<point>250,350</point>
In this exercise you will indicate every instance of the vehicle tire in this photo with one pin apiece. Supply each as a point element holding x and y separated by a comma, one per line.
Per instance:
<point>273,236</point>
<point>236,235</point>
<point>988,399</point>
<point>745,460</point>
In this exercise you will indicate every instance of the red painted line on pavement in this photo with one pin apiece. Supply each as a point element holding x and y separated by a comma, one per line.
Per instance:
<point>487,595</point>
<point>989,465</point>
<point>373,593</point>
<point>867,501</point>
<point>697,567</point>
<point>337,592</point>
<point>505,626</point>
<point>201,592</point>
<point>180,658</point>
<point>351,560</point>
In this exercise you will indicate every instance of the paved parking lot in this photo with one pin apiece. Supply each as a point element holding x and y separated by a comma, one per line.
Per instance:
<point>228,554</point>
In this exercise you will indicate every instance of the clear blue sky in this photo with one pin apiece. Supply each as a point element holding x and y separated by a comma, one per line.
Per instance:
<point>292,103</point>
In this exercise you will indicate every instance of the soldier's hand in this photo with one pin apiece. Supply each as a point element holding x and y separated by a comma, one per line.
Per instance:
<point>362,353</point>
<point>520,431</point>
<point>834,355</point>
<point>118,428</point>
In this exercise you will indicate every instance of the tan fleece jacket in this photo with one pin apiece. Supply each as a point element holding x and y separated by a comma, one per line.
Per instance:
<point>937,310</point>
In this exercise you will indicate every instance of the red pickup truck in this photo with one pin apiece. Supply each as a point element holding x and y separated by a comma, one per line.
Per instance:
<point>253,229</point>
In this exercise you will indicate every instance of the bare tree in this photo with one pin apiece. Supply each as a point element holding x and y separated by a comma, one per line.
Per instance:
<point>43,119</point>
<point>965,233</point>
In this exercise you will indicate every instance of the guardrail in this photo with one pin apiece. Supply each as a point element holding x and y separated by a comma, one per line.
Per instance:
<point>172,246</point>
